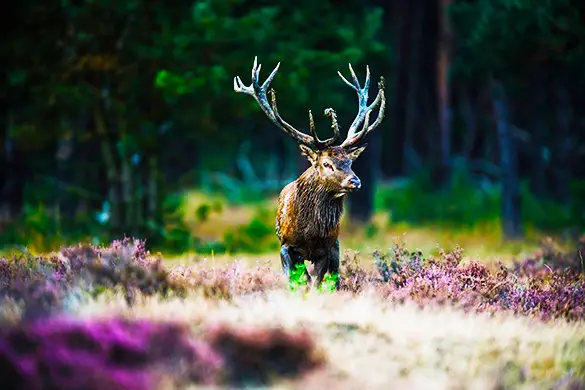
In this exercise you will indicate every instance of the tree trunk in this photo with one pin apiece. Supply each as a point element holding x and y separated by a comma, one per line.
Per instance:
<point>126,180</point>
<point>443,87</point>
<point>538,147</point>
<point>396,161</point>
<point>127,195</point>
<point>562,147</point>
<point>153,173</point>
<point>13,175</point>
<point>64,203</point>
<point>108,155</point>
<point>430,112</point>
<point>412,108</point>
<point>469,113</point>
<point>154,213</point>
<point>511,202</point>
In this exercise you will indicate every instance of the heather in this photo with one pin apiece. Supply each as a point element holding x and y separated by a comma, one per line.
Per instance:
<point>40,285</point>
<point>118,316</point>
<point>138,354</point>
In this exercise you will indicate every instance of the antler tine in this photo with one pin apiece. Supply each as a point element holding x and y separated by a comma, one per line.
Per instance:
<point>312,127</point>
<point>330,112</point>
<point>258,92</point>
<point>334,125</point>
<point>363,107</point>
<point>366,129</point>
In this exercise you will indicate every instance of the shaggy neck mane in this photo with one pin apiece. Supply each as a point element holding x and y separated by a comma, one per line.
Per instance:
<point>319,210</point>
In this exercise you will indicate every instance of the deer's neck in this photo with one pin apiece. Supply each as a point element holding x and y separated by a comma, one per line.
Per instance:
<point>319,211</point>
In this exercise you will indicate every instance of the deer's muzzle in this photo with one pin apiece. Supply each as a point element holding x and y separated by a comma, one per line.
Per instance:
<point>353,183</point>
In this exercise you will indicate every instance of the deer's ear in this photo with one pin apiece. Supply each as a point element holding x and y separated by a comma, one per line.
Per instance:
<point>309,153</point>
<point>355,152</point>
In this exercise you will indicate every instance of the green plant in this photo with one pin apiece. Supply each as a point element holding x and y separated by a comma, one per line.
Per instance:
<point>298,280</point>
<point>298,277</point>
<point>255,237</point>
<point>465,203</point>
<point>329,283</point>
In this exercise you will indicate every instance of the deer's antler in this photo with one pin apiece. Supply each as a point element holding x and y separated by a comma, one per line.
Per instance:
<point>258,92</point>
<point>364,111</point>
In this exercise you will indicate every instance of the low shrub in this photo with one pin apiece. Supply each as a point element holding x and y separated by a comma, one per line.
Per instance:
<point>548,285</point>
<point>254,356</point>
<point>42,285</point>
<point>66,354</point>
<point>102,354</point>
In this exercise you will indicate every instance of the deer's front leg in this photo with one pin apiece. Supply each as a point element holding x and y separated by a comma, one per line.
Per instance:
<point>328,262</point>
<point>334,262</point>
<point>321,268</point>
<point>290,259</point>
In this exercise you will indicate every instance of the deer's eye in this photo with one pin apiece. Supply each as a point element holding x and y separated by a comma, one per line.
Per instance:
<point>326,165</point>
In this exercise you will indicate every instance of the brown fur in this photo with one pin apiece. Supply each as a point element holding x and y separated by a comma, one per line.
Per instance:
<point>310,209</point>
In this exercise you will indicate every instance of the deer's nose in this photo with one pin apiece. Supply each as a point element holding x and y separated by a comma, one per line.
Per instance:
<point>354,183</point>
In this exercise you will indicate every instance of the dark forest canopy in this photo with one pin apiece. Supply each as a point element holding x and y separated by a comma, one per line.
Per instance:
<point>120,104</point>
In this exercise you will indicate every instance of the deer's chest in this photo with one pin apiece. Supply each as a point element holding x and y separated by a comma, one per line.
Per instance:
<point>320,223</point>
<point>310,222</point>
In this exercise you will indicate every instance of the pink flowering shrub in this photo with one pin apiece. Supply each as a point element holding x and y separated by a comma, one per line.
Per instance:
<point>549,284</point>
<point>123,354</point>
<point>228,281</point>
<point>547,289</point>
<point>44,285</point>
<point>102,354</point>
<point>552,258</point>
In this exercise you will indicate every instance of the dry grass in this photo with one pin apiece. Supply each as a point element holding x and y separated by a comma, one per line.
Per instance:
<point>372,344</point>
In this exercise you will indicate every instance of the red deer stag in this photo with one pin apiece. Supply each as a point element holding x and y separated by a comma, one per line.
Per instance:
<point>310,208</point>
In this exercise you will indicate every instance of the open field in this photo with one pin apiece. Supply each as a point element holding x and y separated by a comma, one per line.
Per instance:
<point>368,342</point>
<point>402,320</point>
<point>482,240</point>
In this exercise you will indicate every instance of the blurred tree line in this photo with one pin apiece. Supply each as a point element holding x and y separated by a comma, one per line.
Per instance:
<point>108,108</point>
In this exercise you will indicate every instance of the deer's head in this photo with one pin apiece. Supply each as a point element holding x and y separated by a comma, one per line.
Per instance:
<point>331,164</point>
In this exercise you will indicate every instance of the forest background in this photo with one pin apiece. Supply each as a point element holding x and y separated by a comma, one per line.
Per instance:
<point>119,118</point>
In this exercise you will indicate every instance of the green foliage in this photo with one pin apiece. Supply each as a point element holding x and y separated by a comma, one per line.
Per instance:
<point>298,277</point>
<point>219,41</point>
<point>39,228</point>
<point>174,235</point>
<point>329,283</point>
<point>298,280</point>
<point>237,192</point>
<point>255,237</point>
<point>461,205</point>
<point>466,203</point>
<point>501,35</point>
<point>203,211</point>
